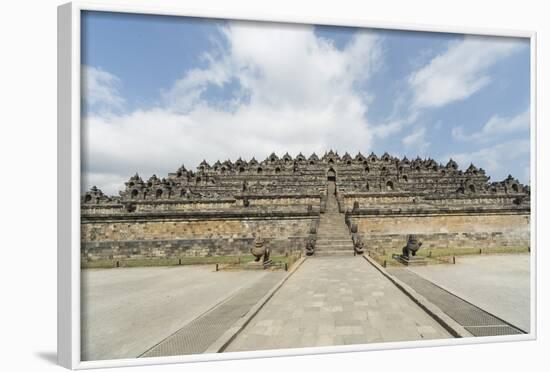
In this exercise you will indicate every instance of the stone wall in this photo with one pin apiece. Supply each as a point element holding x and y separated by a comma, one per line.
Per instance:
<point>372,200</point>
<point>168,237</point>
<point>253,202</point>
<point>365,201</point>
<point>185,229</point>
<point>136,249</point>
<point>390,232</point>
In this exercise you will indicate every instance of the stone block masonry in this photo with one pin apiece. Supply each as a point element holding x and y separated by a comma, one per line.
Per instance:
<point>444,231</point>
<point>193,229</point>
<point>219,209</point>
<point>181,237</point>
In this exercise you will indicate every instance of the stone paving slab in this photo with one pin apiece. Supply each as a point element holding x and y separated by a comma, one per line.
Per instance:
<point>128,310</point>
<point>499,284</point>
<point>336,301</point>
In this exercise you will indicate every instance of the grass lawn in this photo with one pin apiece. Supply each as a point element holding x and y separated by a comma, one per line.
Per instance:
<point>443,255</point>
<point>233,261</point>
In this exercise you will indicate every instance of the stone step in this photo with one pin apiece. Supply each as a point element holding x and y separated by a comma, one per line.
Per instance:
<point>333,233</point>
<point>319,251</point>
<point>336,241</point>
<point>333,237</point>
<point>343,235</point>
<point>333,247</point>
<point>324,233</point>
<point>334,244</point>
<point>333,253</point>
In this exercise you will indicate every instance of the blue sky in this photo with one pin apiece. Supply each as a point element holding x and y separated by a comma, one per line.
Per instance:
<point>160,91</point>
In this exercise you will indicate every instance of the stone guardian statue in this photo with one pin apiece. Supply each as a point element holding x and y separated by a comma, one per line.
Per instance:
<point>413,245</point>
<point>259,250</point>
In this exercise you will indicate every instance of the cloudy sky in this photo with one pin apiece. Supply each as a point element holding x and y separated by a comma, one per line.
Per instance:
<point>162,91</point>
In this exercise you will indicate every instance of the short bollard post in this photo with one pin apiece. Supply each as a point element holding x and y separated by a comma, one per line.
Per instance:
<point>454,260</point>
<point>286,266</point>
<point>385,263</point>
<point>117,264</point>
<point>479,250</point>
<point>216,267</point>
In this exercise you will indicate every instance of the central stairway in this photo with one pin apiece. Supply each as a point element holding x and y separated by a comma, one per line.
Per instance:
<point>333,237</point>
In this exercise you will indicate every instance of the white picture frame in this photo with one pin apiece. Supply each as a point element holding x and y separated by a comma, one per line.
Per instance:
<point>69,175</point>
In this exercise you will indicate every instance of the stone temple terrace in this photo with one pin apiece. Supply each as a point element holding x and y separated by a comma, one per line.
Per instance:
<point>328,205</point>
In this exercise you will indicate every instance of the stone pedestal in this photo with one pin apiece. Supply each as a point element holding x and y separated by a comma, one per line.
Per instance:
<point>259,265</point>
<point>411,260</point>
<point>253,265</point>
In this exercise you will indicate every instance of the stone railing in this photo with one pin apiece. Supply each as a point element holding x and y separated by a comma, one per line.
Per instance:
<point>323,208</point>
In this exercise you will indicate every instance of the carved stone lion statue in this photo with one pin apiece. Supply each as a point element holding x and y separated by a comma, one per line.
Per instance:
<point>259,250</point>
<point>310,246</point>
<point>413,245</point>
<point>358,244</point>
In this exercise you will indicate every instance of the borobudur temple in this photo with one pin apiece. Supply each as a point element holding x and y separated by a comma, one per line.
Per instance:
<point>323,203</point>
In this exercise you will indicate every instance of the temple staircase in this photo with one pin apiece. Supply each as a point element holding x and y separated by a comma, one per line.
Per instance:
<point>333,237</point>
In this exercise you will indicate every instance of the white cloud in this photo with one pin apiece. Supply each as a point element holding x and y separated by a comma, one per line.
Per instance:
<point>497,160</point>
<point>299,93</point>
<point>394,125</point>
<point>105,181</point>
<point>460,71</point>
<point>100,89</point>
<point>495,126</point>
<point>417,141</point>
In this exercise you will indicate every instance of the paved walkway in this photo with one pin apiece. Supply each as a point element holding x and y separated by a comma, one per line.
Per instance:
<point>126,311</point>
<point>499,284</point>
<point>202,332</point>
<point>336,301</point>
